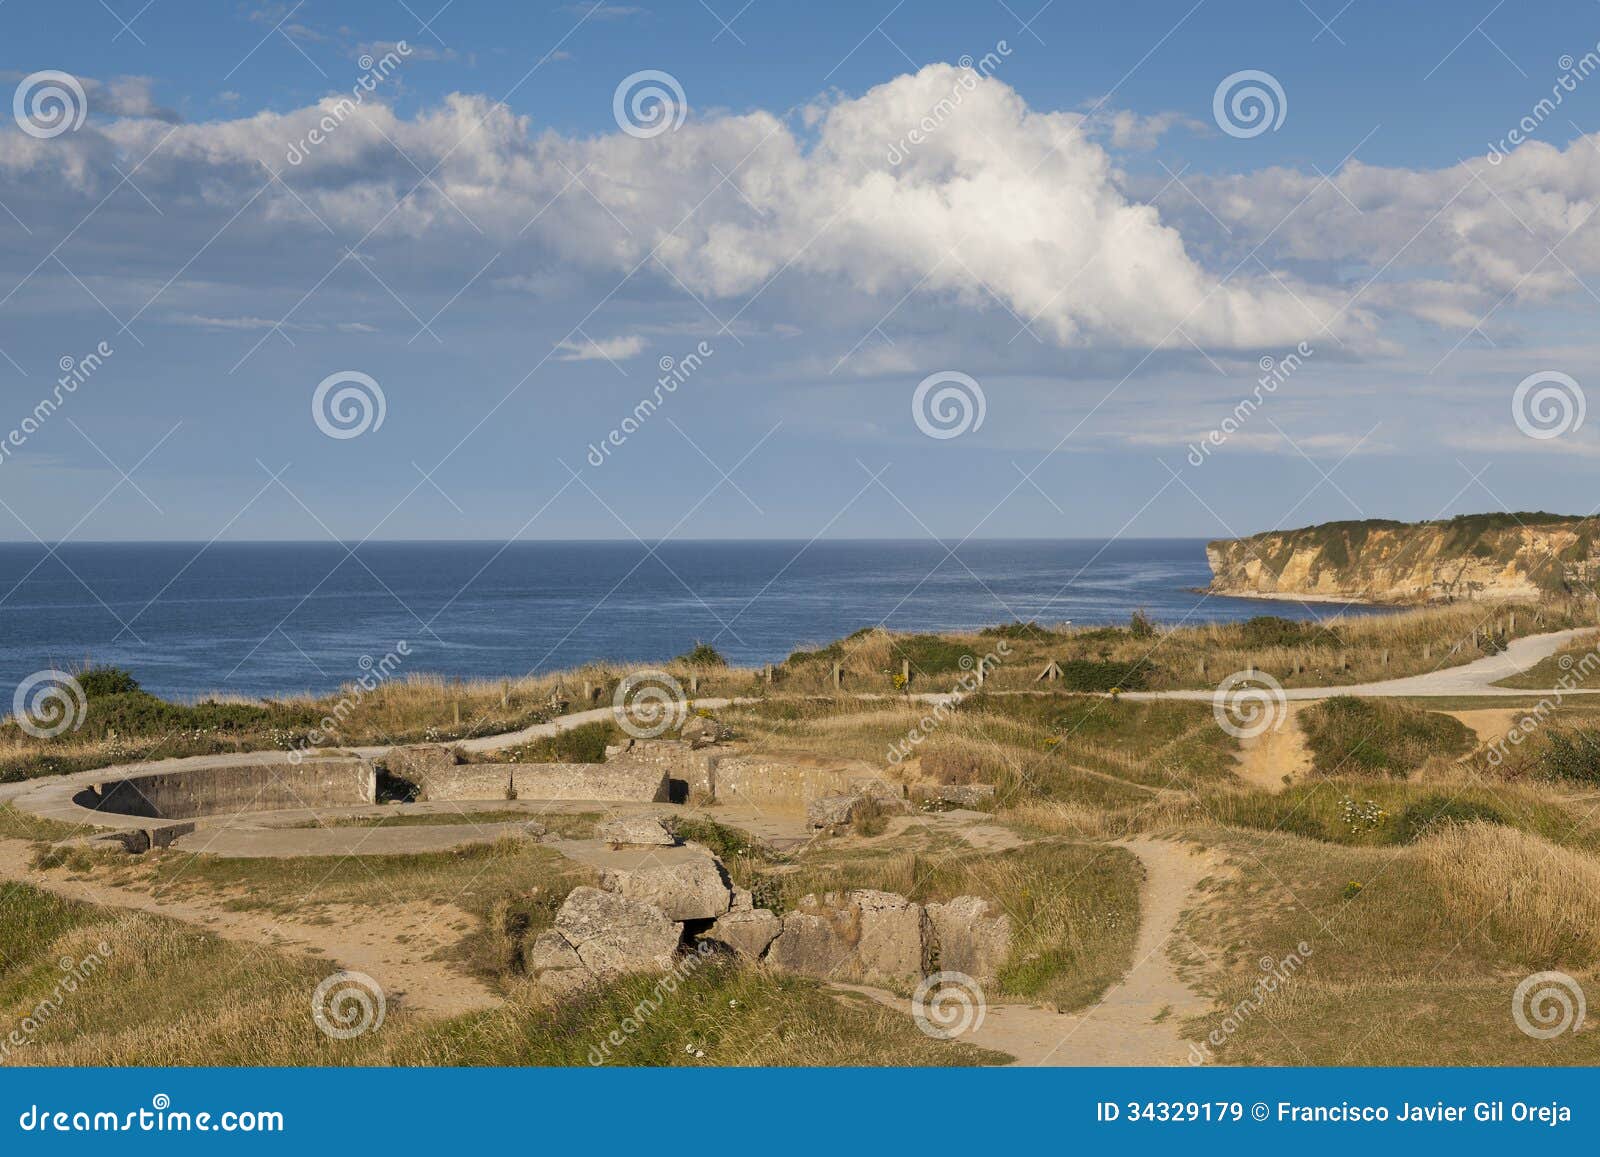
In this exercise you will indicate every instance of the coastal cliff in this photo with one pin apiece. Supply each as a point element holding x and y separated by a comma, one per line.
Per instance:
<point>1473,556</point>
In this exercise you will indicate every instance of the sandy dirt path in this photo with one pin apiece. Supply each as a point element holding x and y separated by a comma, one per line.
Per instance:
<point>388,942</point>
<point>1266,758</point>
<point>1137,1021</point>
<point>1489,723</point>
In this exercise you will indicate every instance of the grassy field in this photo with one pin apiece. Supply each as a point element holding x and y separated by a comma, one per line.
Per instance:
<point>149,991</point>
<point>1411,953</point>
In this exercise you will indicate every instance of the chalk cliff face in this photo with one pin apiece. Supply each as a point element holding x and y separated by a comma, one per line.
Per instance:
<point>1476,556</point>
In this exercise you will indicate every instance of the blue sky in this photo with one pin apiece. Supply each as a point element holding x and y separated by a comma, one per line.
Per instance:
<point>845,200</point>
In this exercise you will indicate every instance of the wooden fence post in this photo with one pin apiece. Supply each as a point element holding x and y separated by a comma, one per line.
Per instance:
<point>838,676</point>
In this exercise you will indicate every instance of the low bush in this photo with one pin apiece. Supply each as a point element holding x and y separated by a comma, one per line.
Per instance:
<point>702,655</point>
<point>1276,631</point>
<point>1350,736</point>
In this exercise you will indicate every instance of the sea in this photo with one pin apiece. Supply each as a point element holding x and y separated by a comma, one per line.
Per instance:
<point>273,618</point>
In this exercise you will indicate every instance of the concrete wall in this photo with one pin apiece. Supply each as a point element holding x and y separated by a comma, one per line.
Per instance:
<point>677,758</point>
<point>253,787</point>
<point>769,782</point>
<point>610,782</point>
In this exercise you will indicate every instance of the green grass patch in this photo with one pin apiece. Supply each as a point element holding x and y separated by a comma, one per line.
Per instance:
<point>1350,736</point>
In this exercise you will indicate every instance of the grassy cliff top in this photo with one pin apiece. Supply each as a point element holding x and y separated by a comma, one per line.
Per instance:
<point>1465,527</point>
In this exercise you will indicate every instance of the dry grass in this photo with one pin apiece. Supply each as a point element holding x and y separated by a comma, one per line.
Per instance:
<point>1518,890</point>
<point>167,994</point>
<point>1355,648</point>
<point>1405,969</point>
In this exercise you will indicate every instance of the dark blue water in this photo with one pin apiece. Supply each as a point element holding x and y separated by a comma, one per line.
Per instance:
<point>268,618</point>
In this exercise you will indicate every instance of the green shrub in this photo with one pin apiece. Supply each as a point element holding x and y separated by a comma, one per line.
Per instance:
<point>99,681</point>
<point>1569,754</point>
<point>1276,631</point>
<point>585,743</point>
<point>1353,736</point>
<point>1415,821</point>
<point>1017,630</point>
<point>1094,675</point>
<point>702,655</point>
<point>1140,625</point>
<point>930,654</point>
